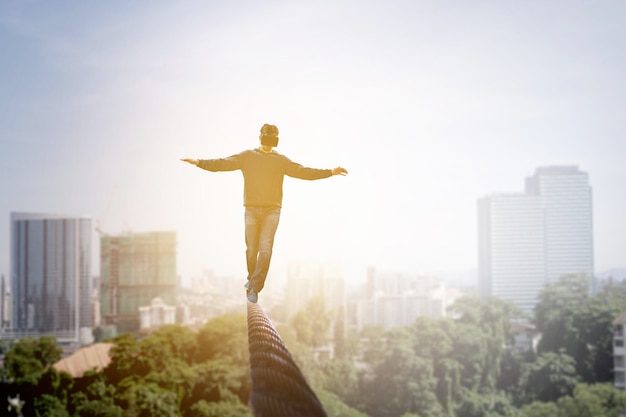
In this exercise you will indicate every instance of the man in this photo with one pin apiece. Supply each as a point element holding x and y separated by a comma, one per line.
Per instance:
<point>263,172</point>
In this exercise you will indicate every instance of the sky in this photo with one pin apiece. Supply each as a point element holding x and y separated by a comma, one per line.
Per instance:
<point>430,105</point>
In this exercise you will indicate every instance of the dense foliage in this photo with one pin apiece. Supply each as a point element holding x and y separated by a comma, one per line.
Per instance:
<point>461,366</point>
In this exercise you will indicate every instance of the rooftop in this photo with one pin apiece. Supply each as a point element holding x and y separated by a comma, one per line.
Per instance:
<point>95,357</point>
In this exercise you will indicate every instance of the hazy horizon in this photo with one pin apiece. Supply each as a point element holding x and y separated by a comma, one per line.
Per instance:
<point>429,105</point>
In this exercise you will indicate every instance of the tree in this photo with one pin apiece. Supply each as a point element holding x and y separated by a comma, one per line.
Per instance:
<point>595,363</point>
<point>96,399</point>
<point>224,337</point>
<point>5,345</point>
<point>173,369</point>
<point>57,384</point>
<point>473,404</point>
<point>559,305</point>
<point>167,342</point>
<point>147,400</point>
<point>219,409</point>
<point>125,360</point>
<point>29,358</point>
<point>312,324</point>
<point>595,400</point>
<point>47,405</point>
<point>303,356</point>
<point>513,361</point>
<point>539,409</point>
<point>598,400</point>
<point>569,318</point>
<point>343,348</point>
<point>334,407</point>
<point>550,377</point>
<point>373,339</point>
<point>469,351</point>
<point>214,381</point>
<point>403,382</point>
<point>223,343</point>
<point>433,340</point>
<point>493,317</point>
<point>341,378</point>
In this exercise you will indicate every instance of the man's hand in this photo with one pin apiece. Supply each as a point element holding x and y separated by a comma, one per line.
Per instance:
<point>190,161</point>
<point>340,171</point>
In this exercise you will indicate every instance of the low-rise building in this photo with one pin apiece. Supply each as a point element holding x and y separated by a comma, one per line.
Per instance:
<point>155,315</point>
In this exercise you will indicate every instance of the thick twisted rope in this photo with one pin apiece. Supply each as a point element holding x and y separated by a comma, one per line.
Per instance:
<point>278,387</point>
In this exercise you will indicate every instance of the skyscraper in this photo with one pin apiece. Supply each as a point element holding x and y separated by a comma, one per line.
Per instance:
<point>529,239</point>
<point>50,276</point>
<point>567,203</point>
<point>512,263</point>
<point>135,268</point>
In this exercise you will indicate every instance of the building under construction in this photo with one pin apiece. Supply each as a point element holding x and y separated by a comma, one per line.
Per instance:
<point>134,269</point>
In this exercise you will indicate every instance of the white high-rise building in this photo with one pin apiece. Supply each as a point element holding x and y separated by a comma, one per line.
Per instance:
<point>567,202</point>
<point>512,263</point>
<point>529,239</point>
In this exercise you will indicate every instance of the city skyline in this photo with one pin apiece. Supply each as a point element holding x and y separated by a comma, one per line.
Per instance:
<point>429,106</point>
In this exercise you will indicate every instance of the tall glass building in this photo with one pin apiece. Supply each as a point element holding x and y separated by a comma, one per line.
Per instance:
<point>50,276</point>
<point>529,239</point>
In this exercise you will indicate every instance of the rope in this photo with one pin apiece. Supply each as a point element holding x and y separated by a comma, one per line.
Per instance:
<point>278,387</point>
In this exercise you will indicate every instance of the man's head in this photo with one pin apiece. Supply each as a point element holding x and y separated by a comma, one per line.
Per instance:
<point>269,135</point>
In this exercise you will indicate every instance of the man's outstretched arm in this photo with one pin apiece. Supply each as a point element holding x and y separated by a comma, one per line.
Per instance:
<point>191,161</point>
<point>340,171</point>
<point>231,163</point>
<point>295,170</point>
